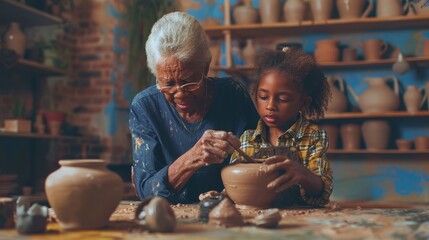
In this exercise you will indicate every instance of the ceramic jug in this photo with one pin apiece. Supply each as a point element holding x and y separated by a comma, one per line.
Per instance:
<point>391,8</point>
<point>354,8</point>
<point>245,14</point>
<point>378,97</point>
<point>294,10</point>
<point>413,99</point>
<point>269,10</point>
<point>338,102</point>
<point>83,193</point>
<point>15,39</point>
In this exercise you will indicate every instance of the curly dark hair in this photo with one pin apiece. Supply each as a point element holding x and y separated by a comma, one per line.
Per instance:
<point>303,70</point>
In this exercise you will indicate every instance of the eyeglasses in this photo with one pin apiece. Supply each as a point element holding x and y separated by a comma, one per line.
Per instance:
<point>187,87</point>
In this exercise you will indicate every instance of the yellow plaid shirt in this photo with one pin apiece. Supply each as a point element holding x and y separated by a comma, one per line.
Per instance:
<point>311,143</point>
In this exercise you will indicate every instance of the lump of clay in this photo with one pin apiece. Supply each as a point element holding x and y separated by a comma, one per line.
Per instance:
<point>156,214</point>
<point>207,204</point>
<point>226,215</point>
<point>269,218</point>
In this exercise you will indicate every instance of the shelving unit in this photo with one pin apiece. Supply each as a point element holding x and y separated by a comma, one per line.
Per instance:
<point>361,115</point>
<point>35,68</point>
<point>379,152</point>
<point>42,136</point>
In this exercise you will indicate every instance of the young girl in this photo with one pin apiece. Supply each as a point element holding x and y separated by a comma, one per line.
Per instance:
<point>292,89</point>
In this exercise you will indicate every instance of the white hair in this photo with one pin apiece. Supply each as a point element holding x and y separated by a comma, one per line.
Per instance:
<point>177,35</point>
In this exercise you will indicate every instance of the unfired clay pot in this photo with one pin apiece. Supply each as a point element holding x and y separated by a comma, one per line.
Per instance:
<point>378,97</point>
<point>245,14</point>
<point>350,9</point>
<point>376,134</point>
<point>391,8</point>
<point>413,99</point>
<point>83,193</point>
<point>327,51</point>
<point>294,10</point>
<point>338,102</point>
<point>246,185</point>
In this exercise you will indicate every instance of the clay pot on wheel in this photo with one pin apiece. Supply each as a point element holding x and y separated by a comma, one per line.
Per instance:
<point>83,193</point>
<point>246,184</point>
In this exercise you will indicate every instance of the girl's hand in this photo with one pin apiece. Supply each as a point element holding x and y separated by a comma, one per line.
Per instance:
<point>214,146</point>
<point>293,172</point>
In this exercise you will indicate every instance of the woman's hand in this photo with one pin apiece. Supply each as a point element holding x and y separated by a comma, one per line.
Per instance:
<point>214,146</point>
<point>293,172</point>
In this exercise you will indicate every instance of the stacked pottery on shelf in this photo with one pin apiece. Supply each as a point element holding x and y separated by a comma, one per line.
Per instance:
<point>413,99</point>
<point>378,98</point>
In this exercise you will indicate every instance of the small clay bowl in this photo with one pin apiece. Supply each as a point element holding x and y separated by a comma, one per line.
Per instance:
<point>246,185</point>
<point>404,144</point>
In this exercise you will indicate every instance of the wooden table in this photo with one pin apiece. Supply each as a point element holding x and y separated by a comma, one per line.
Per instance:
<point>337,221</point>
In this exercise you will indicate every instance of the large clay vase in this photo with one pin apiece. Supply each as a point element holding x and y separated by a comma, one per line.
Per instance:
<point>413,99</point>
<point>376,134</point>
<point>333,133</point>
<point>245,14</point>
<point>15,39</point>
<point>349,9</point>
<point>294,10</point>
<point>246,185</point>
<point>83,193</point>
<point>321,9</point>
<point>327,51</point>
<point>338,102</point>
<point>249,53</point>
<point>269,10</point>
<point>378,97</point>
<point>391,8</point>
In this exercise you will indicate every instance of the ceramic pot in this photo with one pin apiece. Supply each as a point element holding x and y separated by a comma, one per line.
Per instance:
<point>83,193</point>
<point>332,131</point>
<point>338,102</point>
<point>246,185</point>
<point>321,9</point>
<point>269,10</point>
<point>421,143</point>
<point>15,39</point>
<point>349,9</point>
<point>391,8</point>
<point>376,134</point>
<point>378,97</point>
<point>350,135</point>
<point>374,49</point>
<point>403,144</point>
<point>245,14</point>
<point>249,53</point>
<point>294,10</point>
<point>327,51</point>
<point>413,99</point>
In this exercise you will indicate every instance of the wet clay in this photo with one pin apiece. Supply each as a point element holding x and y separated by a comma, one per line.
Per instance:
<point>269,218</point>
<point>207,204</point>
<point>156,214</point>
<point>226,215</point>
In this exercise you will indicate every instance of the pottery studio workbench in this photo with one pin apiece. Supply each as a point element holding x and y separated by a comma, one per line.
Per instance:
<point>337,221</point>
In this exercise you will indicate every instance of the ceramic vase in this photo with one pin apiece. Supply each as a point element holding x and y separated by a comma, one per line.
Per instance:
<point>83,193</point>
<point>246,184</point>
<point>15,39</point>
<point>338,102</point>
<point>245,14</point>
<point>321,9</point>
<point>269,10</point>
<point>327,51</point>
<point>376,134</point>
<point>294,10</point>
<point>391,8</point>
<point>378,97</point>
<point>350,9</point>
<point>413,99</point>
<point>249,53</point>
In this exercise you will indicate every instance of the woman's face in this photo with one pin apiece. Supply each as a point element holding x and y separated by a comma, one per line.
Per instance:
<point>172,73</point>
<point>278,100</point>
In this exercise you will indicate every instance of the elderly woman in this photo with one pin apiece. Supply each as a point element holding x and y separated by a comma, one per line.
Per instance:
<point>184,128</point>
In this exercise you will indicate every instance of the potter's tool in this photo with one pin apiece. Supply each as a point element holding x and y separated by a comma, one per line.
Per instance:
<point>246,156</point>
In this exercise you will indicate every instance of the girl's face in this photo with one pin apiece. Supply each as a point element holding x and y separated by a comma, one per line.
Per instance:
<point>279,100</point>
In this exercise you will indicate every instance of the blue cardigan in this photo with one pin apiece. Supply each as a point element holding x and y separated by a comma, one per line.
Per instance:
<point>159,138</point>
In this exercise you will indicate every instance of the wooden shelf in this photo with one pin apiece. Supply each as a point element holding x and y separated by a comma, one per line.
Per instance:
<point>259,30</point>
<point>13,11</point>
<point>419,61</point>
<point>35,68</point>
<point>361,115</point>
<point>381,151</point>
<point>44,136</point>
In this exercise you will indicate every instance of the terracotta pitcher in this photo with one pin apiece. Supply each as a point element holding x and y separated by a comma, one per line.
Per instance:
<point>269,10</point>
<point>338,102</point>
<point>245,14</point>
<point>327,51</point>
<point>391,8</point>
<point>413,99</point>
<point>374,49</point>
<point>83,193</point>
<point>378,97</point>
<point>354,8</point>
